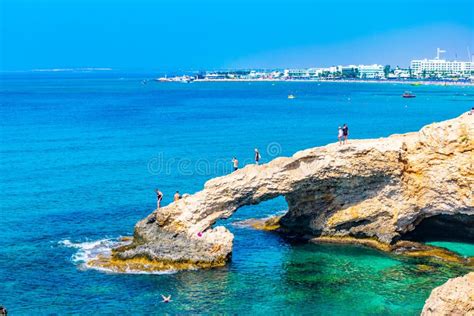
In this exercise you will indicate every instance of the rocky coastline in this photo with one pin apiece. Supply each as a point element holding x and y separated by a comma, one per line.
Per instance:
<point>386,193</point>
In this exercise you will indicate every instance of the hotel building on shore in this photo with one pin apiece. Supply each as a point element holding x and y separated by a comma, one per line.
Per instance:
<point>371,71</point>
<point>365,71</point>
<point>441,67</point>
<point>357,71</point>
<point>430,69</point>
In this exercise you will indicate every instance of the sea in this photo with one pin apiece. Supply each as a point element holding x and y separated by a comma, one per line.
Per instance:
<point>81,155</point>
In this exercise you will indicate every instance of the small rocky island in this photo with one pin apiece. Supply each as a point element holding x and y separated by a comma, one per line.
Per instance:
<point>377,192</point>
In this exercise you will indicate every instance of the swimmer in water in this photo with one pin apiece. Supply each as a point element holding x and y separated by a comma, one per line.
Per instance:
<point>166,299</point>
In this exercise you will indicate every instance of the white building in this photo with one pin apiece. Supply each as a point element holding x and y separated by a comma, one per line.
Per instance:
<point>296,73</point>
<point>314,73</point>
<point>399,73</point>
<point>441,67</point>
<point>363,71</point>
<point>371,71</point>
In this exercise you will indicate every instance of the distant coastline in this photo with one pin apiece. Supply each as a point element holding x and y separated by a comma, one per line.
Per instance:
<point>411,82</point>
<point>435,71</point>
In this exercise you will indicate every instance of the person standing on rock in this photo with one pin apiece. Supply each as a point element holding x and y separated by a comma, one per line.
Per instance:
<point>177,196</point>
<point>340,135</point>
<point>345,132</point>
<point>257,156</point>
<point>159,197</point>
<point>236,163</point>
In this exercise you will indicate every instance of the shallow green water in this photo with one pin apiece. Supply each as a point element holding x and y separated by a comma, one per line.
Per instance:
<point>464,249</point>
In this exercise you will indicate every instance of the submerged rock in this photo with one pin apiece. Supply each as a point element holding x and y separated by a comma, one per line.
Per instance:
<point>268,224</point>
<point>455,297</point>
<point>373,189</point>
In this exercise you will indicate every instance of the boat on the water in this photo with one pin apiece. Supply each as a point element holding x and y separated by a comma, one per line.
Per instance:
<point>291,96</point>
<point>408,95</point>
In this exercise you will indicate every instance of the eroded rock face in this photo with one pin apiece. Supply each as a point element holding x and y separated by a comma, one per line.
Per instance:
<point>373,188</point>
<point>455,297</point>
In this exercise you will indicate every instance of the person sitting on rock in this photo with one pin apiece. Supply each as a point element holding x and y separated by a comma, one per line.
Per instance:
<point>177,196</point>
<point>159,197</point>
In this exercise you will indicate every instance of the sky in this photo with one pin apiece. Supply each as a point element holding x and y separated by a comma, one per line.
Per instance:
<point>175,35</point>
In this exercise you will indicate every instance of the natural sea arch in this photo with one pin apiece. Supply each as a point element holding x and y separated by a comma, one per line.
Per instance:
<point>377,189</point>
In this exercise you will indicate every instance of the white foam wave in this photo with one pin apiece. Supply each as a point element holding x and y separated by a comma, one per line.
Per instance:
<point>92,250</point>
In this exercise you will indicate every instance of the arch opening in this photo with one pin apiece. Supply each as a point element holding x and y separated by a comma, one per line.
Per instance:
<point>256,213</point>
<point>442,227</point>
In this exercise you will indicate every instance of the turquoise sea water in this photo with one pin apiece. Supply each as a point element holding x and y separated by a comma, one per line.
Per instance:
<point>464,249</point>
<point>81,154</point>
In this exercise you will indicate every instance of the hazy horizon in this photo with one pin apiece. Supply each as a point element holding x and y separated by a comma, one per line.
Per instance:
<point>182,35</point>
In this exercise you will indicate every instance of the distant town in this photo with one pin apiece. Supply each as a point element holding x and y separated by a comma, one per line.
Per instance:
<point>436,69</point>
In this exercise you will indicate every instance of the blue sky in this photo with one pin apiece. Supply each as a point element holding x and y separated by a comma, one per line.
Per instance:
<point>211,34</point>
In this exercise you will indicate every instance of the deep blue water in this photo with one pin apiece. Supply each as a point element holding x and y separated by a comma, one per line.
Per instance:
<point>80,156</point>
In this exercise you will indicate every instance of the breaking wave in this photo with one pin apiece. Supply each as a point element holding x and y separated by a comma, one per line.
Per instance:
<point>93,250</point>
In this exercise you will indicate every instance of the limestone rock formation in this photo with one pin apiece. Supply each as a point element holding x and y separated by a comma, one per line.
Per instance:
<point>455,297</point>
<point>380,189</point>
